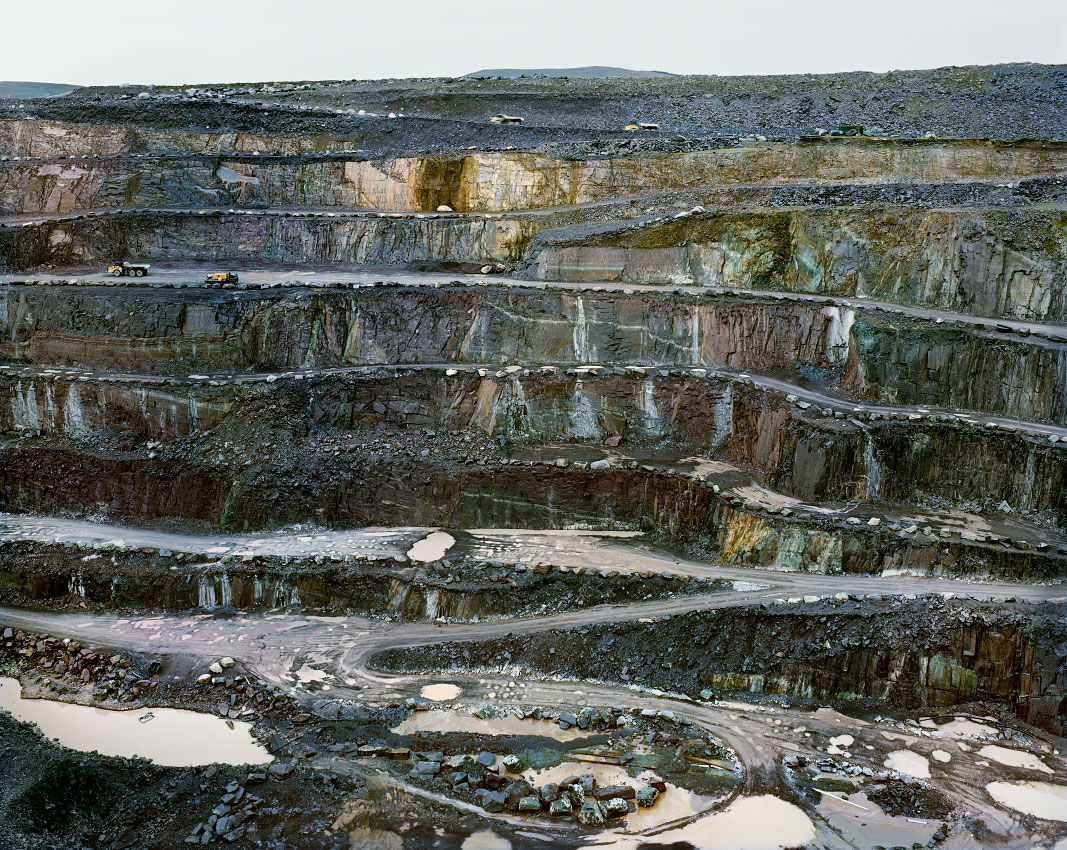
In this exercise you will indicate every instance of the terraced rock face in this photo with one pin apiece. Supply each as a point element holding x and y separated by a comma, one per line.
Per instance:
<point>983,263</point>
<point>805,370</point>
<point>92,177</point>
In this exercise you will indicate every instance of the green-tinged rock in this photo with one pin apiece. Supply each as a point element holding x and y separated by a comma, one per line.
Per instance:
<point>646,797</point>
<point>513,764</point>
<point>592,814</point>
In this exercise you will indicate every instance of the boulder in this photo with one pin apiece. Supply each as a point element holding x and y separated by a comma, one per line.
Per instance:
<point>492,801</point>
<point>624,792</point>
<point>592,814</point>
<point>513,764</point>
<point>529,804</point>
<point>646,797</point>
<point>616,807</point>
<point>475,779</point>
<point>592,718</point>
<point>561,806</point>
<point>228,823</point>
<point>516,790</point>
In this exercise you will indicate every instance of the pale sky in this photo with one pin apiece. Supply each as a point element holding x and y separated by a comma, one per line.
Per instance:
<point>195,41</point>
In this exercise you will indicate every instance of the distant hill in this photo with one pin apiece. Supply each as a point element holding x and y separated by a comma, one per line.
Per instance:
<point>588,71</point>
<point>20,89</point>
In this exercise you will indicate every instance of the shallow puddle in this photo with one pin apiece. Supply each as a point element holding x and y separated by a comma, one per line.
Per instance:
<point>432,547</point>
<point>605,774</point>
<point>1040,799</point>
<point>832,716</point>
<point>170,736</point>
<point>909,763</point>
<point>748,823</point>
<point>461,721</point>
<point>1014,758</point>
<point>485,839</point>
<point>672,804</point>
<point>440,692</point>
<point>961,727</point>
<point>869,826</point>
<point>307,674</point>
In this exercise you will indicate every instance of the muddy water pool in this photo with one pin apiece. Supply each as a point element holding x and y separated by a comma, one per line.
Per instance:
<point>168,736</point>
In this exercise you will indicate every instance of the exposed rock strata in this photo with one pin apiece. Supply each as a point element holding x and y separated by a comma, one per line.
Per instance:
<point>944,655</point>
<point>483,181</point>
<point>986,263</point>
<point>862,353</point>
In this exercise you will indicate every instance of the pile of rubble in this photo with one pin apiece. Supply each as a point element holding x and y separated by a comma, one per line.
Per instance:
<point>115,677</point>
<point>227,819</point>
<point>505,790</point>
<point>72,670</point>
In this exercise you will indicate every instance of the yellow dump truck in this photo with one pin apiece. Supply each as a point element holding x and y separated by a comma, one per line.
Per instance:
<point>220,277</point>
<point>128,269</point>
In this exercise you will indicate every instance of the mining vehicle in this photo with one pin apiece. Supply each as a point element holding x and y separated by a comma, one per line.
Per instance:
<point>220,277</point>
<point>128,269</point>
<point>642,125</point>
<point>506,119</point>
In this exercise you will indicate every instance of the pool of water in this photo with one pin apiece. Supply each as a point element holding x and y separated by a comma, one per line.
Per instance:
<point>749,823</point>
<point>168,736</point>
<point>432,547</point>
<point>1040,799</point>
<point>909,763</point>
<point>440,692</point>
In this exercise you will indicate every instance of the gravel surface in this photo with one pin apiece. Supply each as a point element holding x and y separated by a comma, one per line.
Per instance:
<point>1000,101</point>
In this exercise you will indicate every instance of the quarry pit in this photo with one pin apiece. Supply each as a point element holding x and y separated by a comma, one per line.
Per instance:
<point>544,484</point>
